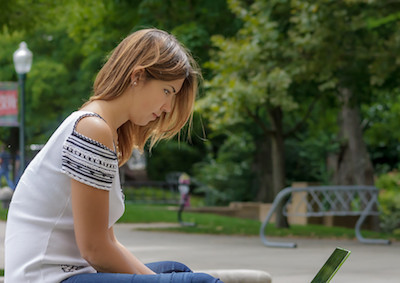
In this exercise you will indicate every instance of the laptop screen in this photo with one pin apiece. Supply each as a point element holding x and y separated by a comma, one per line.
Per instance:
<point>331,266</point>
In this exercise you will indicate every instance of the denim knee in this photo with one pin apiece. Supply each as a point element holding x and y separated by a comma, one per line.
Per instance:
<point>204,278</point>
<point>168,267</point>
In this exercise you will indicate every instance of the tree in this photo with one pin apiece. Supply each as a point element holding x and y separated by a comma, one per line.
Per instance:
<point>193,22</point>
<point>70,40</point>
<point>359,61</point>
<point>253,72</point>
<point>319,50</point>
<point>381,121</point>
<point>24,14</point>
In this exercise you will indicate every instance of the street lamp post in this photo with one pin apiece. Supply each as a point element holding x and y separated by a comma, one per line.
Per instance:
<point>22,63</point>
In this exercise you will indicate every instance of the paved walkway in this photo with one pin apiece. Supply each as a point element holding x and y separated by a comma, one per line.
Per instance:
<point>367,263</point>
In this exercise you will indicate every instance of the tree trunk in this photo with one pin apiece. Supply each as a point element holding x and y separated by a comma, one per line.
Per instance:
<point>278,160</point>
<point>353,164</point>
<point>262,167</point>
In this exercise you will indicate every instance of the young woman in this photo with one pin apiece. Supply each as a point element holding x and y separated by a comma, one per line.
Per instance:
<point>60,222</point>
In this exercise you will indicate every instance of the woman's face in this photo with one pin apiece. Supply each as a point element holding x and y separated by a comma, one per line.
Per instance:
<point>151,98</point>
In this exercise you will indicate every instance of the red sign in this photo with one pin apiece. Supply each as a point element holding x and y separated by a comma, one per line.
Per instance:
<point>8,102</point>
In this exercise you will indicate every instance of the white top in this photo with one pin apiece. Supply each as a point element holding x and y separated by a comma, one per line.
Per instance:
<point>40,242</point>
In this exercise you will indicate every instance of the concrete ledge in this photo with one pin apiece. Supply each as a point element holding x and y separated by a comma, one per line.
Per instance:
<point>239,275</point>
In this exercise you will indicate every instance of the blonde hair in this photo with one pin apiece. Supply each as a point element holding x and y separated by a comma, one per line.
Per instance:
<point>163,58</point>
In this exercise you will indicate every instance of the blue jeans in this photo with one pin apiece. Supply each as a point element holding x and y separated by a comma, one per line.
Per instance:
<point>167,272</point>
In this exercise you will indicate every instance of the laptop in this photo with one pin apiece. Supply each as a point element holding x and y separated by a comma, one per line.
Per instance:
<point>331,266</point>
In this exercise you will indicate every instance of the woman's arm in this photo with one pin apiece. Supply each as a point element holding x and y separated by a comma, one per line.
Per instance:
<point>143,269</point>
<point>90,207</point>
<point>95,241</point>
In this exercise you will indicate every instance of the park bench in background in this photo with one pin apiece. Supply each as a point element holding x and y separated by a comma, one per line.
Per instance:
<point>320,201</point>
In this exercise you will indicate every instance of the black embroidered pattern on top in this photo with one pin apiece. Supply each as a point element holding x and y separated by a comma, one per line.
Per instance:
<point>70,268</point>
<point>88,161</point>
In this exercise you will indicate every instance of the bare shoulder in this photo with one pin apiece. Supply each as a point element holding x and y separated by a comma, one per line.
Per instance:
<point>97,129</point>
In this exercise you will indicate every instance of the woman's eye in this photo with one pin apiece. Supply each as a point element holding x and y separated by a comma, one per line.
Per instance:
<point>166,91</point>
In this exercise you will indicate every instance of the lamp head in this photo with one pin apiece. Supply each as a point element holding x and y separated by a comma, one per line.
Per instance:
<point>22,59</point>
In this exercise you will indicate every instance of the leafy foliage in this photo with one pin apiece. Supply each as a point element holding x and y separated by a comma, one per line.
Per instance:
<point>71,39</point>
<point>229,174</point>
<point>381,117</point>
<point>289,56</point>
<point>389,198</point>
<point>171,156</point>
<point>296,57</point>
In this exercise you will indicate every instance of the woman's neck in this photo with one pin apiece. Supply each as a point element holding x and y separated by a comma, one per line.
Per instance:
<point>110,111</point>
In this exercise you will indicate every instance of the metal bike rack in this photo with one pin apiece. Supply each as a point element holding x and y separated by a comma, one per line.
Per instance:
<point>327,200</point>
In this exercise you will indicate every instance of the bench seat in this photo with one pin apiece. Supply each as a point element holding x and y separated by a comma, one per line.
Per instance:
<point>239,275</point>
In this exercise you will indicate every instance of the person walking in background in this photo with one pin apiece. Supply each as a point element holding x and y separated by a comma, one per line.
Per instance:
<point>17,167</point>
<point>184,189</point>
<point>61,217</point>
<point>5,158</point>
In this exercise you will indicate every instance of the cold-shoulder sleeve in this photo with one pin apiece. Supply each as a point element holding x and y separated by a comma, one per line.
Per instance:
<point>89,162</point>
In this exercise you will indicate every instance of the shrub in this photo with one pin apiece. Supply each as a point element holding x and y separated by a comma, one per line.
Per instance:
<point>228,176</point>
<point>389,198</point>
<point>171,156</point>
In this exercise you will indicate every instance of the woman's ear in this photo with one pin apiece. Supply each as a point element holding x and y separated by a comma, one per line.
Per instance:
<point>136,75</point>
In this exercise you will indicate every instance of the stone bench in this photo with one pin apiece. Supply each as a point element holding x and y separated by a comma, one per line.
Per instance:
<point>239,275</point>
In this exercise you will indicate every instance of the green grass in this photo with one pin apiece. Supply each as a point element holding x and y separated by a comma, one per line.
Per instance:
<point>223,225</point>
<point>216,224</point>
<point>154,195</point>
<point>3,214</point>
<point>149,194</point>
